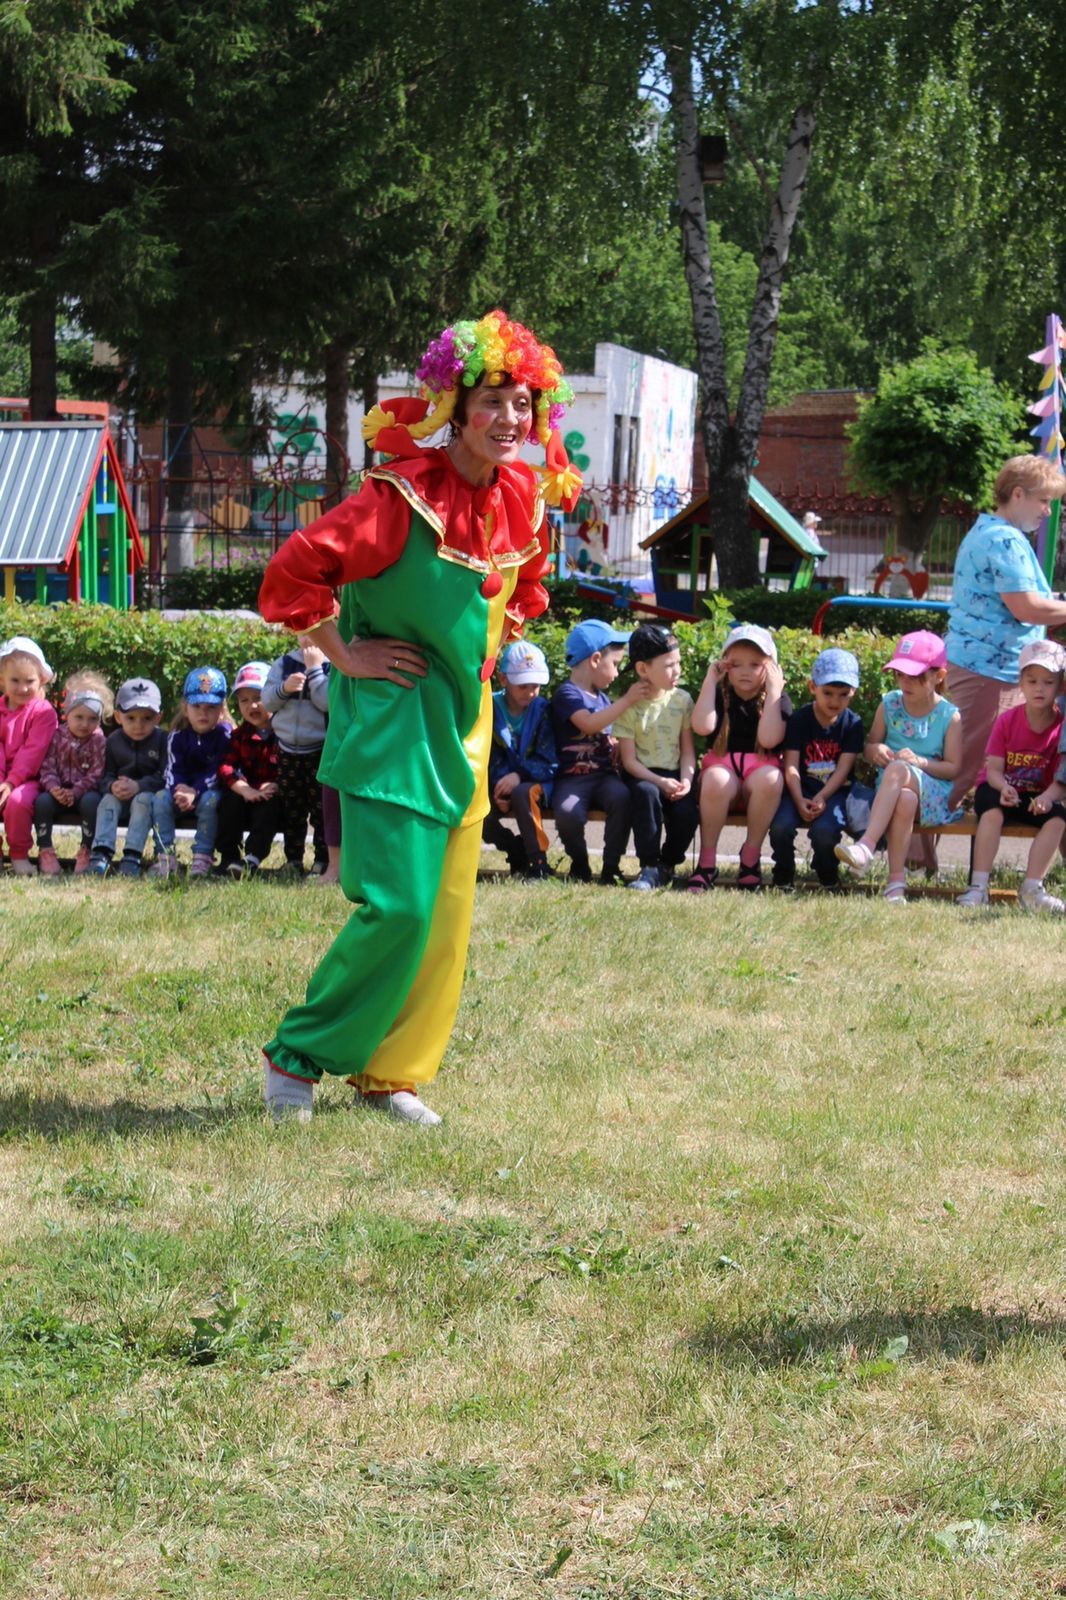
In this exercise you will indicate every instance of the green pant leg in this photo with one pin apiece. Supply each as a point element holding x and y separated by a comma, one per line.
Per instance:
<point>391,863</point>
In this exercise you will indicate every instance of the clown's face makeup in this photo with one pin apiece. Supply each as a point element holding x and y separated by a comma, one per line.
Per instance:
<point>498,423</point>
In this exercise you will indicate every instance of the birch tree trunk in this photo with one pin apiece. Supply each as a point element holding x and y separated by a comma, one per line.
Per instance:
<point>730,446</point>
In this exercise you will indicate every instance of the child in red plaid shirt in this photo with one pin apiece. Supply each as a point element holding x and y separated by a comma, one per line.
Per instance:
<point>249,779</point>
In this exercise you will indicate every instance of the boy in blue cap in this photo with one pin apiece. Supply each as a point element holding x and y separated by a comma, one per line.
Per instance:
<point>521,761</point>
<point>822,741</point>
<point>586,776</point>
<point>195,751</point>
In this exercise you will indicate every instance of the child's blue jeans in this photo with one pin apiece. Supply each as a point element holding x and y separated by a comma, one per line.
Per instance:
<point>206,814</point>
<point>143,814</point>
<point>824,832</point>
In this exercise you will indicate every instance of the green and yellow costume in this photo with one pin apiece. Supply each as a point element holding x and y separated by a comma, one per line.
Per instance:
<point>422,555</point>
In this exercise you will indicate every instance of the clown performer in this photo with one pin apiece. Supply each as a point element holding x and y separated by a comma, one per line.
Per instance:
<point>437,561</point>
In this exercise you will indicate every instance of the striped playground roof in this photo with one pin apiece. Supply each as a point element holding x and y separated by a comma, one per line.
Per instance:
<point>46,475</point>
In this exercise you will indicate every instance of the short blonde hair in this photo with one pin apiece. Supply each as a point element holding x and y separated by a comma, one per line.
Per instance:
<point>1034,474</point>
<point>90,683</point>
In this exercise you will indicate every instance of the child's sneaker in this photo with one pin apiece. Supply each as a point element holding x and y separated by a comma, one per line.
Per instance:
<point>82,860</point>
<point>48,863</point>
<point>129,867</point>
<point>580,872</point>
<point>23,867</point>
<point>854,855</point>
<point>99,864</point>
<point>976,895</point>
<point>287,1097</point>
<point>201,866</point>
<point>164,866</point>
<point>1036,899</point>
<point>646,878</point>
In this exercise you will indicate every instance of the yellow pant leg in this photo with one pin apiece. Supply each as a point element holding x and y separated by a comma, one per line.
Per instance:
<point>411,1051</point>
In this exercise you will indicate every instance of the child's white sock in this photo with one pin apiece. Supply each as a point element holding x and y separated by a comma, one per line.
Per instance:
<point>979,880</point>
<point>1032,885</point>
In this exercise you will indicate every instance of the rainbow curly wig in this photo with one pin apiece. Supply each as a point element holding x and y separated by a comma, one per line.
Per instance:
<point>494,350</point>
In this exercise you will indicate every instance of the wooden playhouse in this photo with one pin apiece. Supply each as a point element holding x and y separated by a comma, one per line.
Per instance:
<point>67,529</point>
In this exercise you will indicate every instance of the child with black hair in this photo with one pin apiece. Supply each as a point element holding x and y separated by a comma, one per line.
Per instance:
<point>659,758</point>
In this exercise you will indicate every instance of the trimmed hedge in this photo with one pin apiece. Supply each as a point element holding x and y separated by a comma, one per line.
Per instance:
<point>142,643</point>
<point>127,644</point>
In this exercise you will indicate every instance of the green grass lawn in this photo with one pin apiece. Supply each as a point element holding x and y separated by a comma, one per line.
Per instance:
<point>736,1269</point>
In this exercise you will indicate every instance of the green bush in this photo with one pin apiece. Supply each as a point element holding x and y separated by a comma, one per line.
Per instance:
<point>796,608</point>
<point>130,644</point>
<point>142,643</point>
<point>223,588</point>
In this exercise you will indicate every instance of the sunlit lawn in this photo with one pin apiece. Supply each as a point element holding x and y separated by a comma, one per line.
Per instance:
<point>735,1270</point>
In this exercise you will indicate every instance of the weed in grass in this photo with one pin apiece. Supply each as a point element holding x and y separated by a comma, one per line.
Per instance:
<point>111,1190</point>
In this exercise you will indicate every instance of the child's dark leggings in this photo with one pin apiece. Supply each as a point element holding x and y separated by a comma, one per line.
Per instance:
<point>46,813</point>
<point>301,802</point>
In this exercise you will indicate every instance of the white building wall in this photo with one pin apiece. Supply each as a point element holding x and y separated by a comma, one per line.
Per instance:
<point>630,429</point>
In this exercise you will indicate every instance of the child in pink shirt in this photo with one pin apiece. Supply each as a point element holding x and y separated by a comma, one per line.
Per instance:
<point>1018,782</point>
<point>27,723</point>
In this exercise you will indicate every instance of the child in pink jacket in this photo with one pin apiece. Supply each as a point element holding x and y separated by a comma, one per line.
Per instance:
<point>27,723</point>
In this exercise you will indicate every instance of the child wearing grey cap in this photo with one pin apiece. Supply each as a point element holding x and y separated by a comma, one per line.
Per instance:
<point>135,759</point>
<point>823,740</point>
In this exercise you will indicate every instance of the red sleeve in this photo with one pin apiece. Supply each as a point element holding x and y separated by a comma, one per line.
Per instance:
<point>530,597</point>
<point>358,539</point>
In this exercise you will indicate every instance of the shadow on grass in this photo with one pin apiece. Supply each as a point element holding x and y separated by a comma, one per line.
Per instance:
<point>58,1117</point>
<point>959,1332</point>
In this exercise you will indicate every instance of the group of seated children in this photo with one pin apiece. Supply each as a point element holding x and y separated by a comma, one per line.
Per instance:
<point>782,768</point>
<point>633,758</point>
<point>235,786</point>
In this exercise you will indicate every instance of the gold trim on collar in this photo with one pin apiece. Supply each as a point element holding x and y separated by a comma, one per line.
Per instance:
<point>425,511</point>
<point>462,559</point>
<point>517,558</point>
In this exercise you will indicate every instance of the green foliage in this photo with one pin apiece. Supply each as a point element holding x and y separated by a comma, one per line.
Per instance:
<point>795,608</point>
<point>938,425</point>
<point>140,643</point>
<point>228,588</point>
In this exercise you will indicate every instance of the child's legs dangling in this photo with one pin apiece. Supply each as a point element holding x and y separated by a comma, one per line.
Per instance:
<point>762,792</point>
<point>895,777</point>
<point>1043,848</point>
<point>18,819</point>
<point>900,829</point>
<point>719,787</point>
<point>203,843</point>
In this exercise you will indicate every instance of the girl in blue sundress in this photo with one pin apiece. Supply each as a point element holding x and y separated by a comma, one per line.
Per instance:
<point>916,741</point>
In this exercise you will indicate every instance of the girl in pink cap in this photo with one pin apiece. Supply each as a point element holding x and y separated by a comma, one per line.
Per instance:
<point>916,741</point>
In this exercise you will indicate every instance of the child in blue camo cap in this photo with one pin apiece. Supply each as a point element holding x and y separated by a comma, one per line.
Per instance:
<point>822,741</point>
<point>196,749</point>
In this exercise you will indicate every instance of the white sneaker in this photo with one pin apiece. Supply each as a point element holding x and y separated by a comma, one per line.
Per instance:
<point>976,895</point>
<point>403,1106</point>
<point>287,1097</point>
<point>646,878</point>
<point>854,855</point>
<point>1039,900</point>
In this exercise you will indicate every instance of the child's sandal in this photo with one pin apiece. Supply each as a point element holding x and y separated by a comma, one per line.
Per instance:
<point>750,877</point>
<point>702,879</point>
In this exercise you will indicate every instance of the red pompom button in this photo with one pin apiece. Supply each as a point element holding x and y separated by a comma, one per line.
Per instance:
<point>492,585</point>
<point>487,669</point>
